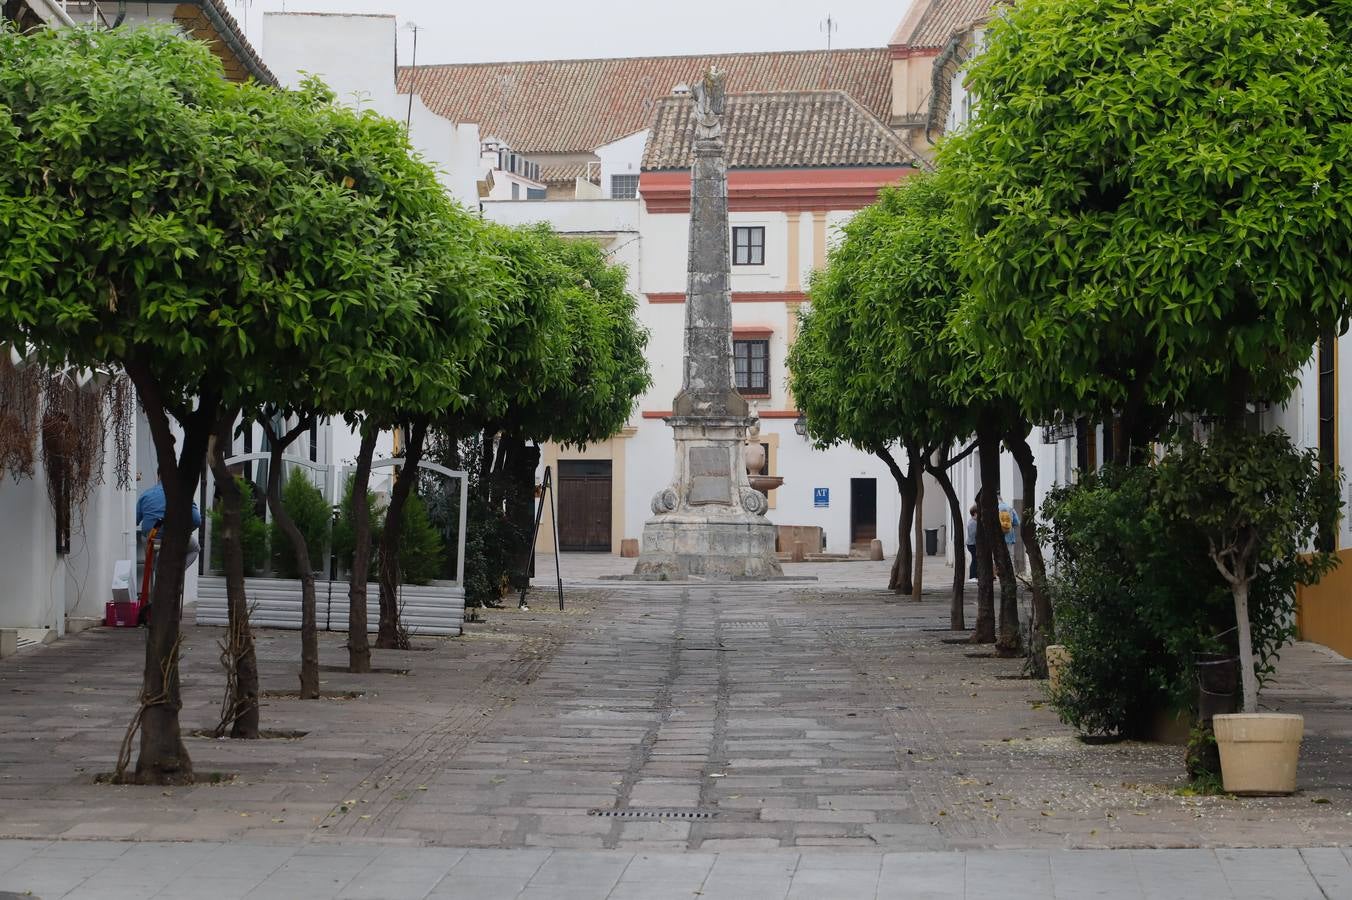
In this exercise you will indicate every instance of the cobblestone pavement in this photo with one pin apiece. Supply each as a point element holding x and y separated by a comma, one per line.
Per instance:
<point>105,870</point>
<point>650,718</point>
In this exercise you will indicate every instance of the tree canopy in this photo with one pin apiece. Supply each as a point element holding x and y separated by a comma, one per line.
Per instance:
<point>1153,199</point>
<point>875,362</point>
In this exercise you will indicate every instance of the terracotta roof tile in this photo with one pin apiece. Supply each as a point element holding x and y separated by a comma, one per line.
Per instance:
<point>568,172</point>
<point>575,106</point>
<point>935,25</point>
<point>782,129</point>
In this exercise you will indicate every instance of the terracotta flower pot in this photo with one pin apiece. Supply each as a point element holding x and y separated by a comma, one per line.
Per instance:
<point>1259,751</point>
<point>1058,658</point>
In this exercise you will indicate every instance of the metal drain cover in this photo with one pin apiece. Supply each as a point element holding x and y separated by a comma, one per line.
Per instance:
<point>641,812</point>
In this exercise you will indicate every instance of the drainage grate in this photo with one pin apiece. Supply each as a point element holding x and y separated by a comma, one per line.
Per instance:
<point>746,623</point>
<point>652,813</point>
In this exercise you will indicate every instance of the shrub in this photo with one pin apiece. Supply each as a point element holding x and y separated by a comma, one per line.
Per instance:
<point>253,531</point>
<point>1135,598</point>
<point>307,507</point>
<point>421,550</point>
<point>344,536</point>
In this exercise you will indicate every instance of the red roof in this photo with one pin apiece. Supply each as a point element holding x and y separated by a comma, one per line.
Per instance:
<point>577,105</point>
<point>779,130</point>
<point>930,23</point>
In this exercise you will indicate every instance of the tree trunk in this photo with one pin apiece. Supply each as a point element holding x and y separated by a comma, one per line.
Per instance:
<point>1008,641</point>
<point>163,759</point>
<point>956,616</point>
<point>984,632</point>
<point>309,625</point>
<point>240,707</point>
<point>1247,674</point>
<point>1043,622</point>
<point>486,466</point>
<point>358,643</point>
<point>918,579</point>
<point>899,580</point>
<point>519,490</point>
<point>390,635</point>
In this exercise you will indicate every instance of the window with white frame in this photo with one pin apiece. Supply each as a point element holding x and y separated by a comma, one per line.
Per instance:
<point>623,187</point>
<point>748,245</point>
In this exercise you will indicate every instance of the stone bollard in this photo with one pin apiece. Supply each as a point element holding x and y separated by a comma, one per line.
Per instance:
<point>799,551</point>
<point>9,642</point>
<point>629,548</point>
<point>875,550</point>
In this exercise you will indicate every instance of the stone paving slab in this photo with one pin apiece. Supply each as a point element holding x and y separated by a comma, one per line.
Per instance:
<point>651,717</point>
<point>67,870</point>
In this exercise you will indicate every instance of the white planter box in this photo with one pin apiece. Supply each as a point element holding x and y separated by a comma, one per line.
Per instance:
<point>432,609</point>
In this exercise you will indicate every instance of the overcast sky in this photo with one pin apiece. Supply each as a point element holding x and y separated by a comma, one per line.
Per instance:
<point>490,31</point>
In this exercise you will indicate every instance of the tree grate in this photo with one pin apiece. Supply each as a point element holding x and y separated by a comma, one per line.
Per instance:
<point>652,813</point>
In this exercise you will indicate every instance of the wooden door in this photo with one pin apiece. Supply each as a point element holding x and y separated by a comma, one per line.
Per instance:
<point>584,505</point>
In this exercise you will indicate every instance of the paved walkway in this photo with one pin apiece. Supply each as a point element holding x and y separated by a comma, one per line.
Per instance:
<point>791,723</point>
<point>215,871</point>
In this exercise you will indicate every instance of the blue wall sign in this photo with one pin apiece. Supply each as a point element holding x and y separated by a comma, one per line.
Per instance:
<point>821,497</point>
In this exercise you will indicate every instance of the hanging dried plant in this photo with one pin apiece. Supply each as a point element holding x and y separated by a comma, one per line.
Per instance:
<point>72,449</point>
<point>20,388</point>
<point>119,404</point>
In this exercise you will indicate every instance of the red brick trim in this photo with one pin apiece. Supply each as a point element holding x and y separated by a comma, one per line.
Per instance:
<point>777,190</point>
<point>764,413</point>
<point>902,51</point>
<point>737,297</point>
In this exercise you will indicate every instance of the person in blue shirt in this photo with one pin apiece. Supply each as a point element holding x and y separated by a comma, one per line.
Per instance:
<point>150,513</point>
<point>1008,517</point>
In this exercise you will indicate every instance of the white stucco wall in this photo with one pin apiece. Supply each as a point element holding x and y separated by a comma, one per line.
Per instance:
<point>41,588</point>
<point>355,56</point>
<point>621,157</point>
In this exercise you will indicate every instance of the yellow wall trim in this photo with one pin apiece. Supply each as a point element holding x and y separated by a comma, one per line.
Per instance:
<point>1324,610</point>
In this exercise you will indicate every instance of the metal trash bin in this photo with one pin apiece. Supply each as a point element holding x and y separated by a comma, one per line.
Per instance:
<point>931,542</point>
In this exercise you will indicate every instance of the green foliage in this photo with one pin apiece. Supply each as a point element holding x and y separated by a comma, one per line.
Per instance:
<point>564,359</point>
<point>421,552</point>
<point>254,532</point>
<point>607,368</point>
<point>873,347</point>
<point>307,507</point>
<point>1136,593</point>
<point>344,534</point>
<point>1133,602</point>
<point>1130,234</point>
<point>1259,505</point>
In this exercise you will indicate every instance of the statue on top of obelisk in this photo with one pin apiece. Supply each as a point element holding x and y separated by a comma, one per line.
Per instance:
<point>709,522</point>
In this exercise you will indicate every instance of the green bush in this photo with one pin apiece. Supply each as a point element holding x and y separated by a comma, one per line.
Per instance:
<point>254,532</point>
<point>421,549</point>
<point>1135,599</point>
<point>307,507</point>
<point>344,536</point>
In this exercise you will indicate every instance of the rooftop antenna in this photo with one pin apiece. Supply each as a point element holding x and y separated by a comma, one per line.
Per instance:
<point>413,27</point>
<point>829,26</point>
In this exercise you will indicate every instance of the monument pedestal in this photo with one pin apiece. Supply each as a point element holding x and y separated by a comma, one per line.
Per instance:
<point>710,522</point>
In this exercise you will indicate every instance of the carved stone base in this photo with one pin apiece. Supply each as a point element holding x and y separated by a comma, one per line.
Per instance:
<point>719,548</point>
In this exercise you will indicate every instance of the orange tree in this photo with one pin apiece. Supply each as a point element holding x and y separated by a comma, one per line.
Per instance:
<point>194,232</point>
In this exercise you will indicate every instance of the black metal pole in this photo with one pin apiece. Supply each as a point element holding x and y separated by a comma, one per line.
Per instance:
<point>554,521</point>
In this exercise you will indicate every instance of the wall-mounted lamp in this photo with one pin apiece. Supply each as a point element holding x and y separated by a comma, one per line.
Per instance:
<point>800,426</point>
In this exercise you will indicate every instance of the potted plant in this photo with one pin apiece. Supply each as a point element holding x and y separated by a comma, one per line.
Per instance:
<point>1262,505</point>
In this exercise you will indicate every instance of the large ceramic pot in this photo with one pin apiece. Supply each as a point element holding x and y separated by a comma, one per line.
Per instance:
<point>1259,751</point>
<point>1058,658</point>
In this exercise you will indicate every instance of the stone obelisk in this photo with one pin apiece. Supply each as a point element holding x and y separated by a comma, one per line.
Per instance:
<point>709,522</point>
